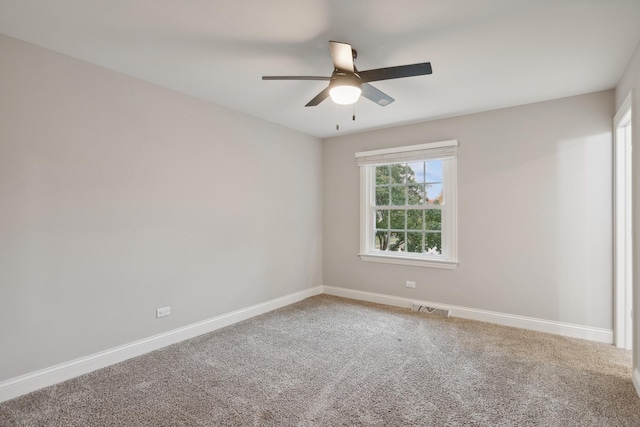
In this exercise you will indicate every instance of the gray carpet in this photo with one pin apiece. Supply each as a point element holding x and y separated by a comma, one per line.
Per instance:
<point>330,362</point>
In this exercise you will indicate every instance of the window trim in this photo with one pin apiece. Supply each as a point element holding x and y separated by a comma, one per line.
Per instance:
<point>367,160</point>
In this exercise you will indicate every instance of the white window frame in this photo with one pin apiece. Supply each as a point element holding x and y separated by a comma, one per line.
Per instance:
<point>368,160</point>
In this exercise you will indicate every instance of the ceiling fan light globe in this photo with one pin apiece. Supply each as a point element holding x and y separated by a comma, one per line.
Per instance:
<point>345,94</point>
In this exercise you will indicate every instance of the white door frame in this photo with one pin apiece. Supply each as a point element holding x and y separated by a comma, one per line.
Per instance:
<point>622,226</point>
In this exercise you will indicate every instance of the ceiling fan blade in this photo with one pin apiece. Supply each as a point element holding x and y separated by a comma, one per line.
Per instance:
<point>342,56</point>
<point>395,72</point>
<point>376,95</point>
<point>296,78</point>
<point>318,98</point>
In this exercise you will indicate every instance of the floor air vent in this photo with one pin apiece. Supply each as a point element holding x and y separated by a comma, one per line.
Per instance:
<point>430,310</point>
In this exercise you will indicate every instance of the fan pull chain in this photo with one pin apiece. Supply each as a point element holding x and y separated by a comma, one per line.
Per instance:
<point>337,117</point>
<point>354,113</point>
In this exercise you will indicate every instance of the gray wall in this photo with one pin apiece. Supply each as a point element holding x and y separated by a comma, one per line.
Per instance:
<point>630,80</point>
<point>534,212</point>
<point>118,197</point>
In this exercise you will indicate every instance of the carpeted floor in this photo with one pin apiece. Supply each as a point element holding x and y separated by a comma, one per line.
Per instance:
<point>328,361</point>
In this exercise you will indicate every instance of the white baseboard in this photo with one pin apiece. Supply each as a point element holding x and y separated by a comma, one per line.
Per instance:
<point>43,378</point>
<point>552,327</point>
<point>636,380</point>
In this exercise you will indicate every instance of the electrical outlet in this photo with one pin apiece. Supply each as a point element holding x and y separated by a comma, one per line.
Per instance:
<point>410,284</point>
<point>164,311</point>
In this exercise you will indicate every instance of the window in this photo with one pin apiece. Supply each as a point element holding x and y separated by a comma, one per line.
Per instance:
<point>408,205</point>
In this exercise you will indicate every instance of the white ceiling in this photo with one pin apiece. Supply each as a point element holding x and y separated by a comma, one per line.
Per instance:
<point>485,54</point>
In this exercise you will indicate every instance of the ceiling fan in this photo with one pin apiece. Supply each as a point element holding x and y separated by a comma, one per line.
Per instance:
<point>346,83</point>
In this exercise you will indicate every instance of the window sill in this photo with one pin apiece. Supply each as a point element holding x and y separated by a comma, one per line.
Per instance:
<point>409,260</point>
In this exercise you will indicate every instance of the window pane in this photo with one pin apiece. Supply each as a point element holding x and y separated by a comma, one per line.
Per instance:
<point>434,194</point>
<point>382,219</point>
<point>414,219</point>
<point>397,219</point>
<point>396,241</point>
<point>382,240</point>
<point>433,220</point>
<point>382,196</point>
<point>382,175</point>
<point>415,194</point>
<point>414,242</point>
<point>433,243</point>
<point>398,196</point>
<point>397,172</point>
<point>415,172</point>
<point>433,171</point>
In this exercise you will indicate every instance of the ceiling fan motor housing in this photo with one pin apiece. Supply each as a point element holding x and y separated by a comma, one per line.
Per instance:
<point>345,79</point>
